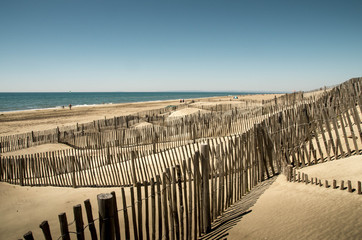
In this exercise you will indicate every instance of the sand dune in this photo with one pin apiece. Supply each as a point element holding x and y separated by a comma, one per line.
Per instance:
<point>143,124</point>
<point>49,147</point>
<point>186,111</point>
<point>297,211</point>
<point>342,169</point>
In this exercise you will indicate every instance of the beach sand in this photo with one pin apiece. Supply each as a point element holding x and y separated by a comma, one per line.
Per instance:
<point>24,208</point>
<point>290,210</point>
<point>186,111</point>
<point>49,147</point>
<point>285,211</point>
<point>39,120</point>
<point>299,211</point>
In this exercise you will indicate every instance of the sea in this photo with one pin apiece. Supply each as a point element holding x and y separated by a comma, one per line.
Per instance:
<point>47,100</point>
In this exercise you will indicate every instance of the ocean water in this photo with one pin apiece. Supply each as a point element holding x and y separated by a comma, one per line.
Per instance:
<point>27,101</point>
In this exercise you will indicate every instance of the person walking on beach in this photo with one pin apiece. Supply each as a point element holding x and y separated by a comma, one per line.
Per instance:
<point>70,106</point>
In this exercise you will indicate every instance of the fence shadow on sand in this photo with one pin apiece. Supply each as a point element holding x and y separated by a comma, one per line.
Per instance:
<point>233,215</point>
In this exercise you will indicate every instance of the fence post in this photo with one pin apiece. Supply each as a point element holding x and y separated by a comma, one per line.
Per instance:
<point>79,221</point>
<point>106,218</point>
<point>28,236</point>
<point>22,172</point>
<point>349,185</point>
<point>154,143</point>
<point>92,228</point>
<point>290,173</point>
<point>116,219</point>
<point>125,215</point>
<point>133,159</point>
<point>46,230</point>
<point>205,182</point>
<point>64,226</point>
<point>139,211</point>
<point>164,205</point>
<point>134,221</point>
<point>342,185</point>
<point>58,134</point>
<point>153,209</point>
<point>72,159</point>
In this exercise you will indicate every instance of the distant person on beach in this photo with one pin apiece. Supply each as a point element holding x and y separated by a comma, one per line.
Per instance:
<point>70,106</point>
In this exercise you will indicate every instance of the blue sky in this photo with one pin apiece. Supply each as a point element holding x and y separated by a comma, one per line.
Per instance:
<point>178,45</point>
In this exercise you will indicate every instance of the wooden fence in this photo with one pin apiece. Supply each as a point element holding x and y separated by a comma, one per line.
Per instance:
<point>179,130</point>
<point>118,130</point>
<point>188,196</point>
<point>299,136</point>
<point>297,177</point>
<point>187,187</point>
<point>182,201</point>
<point>88,167</point>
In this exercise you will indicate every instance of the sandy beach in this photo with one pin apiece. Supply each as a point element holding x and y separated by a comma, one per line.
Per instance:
<point>39,120</point>
<point>286,210</point>
<point>23,208</point>
<point>209,120</point>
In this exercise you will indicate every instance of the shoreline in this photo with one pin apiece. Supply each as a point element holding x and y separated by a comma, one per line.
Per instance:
<point>78,106</point>
<point>150,101</point>
<point>159,100</point>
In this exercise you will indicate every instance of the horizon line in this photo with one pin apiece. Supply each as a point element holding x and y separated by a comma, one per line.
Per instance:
<point>168,91</point>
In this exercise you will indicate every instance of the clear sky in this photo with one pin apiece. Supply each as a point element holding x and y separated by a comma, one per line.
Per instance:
<point>221,45</point>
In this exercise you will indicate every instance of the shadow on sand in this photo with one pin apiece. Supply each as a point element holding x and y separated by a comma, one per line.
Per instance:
<point>220,227</point>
